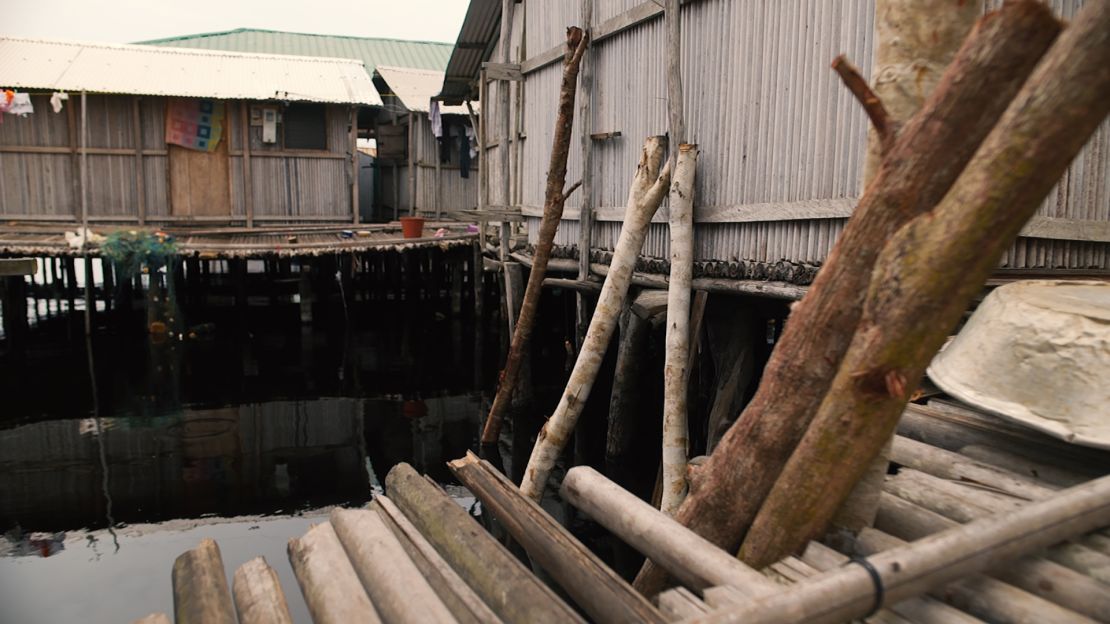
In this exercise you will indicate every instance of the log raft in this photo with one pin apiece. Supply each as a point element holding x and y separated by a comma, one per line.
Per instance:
<point>958,538</point>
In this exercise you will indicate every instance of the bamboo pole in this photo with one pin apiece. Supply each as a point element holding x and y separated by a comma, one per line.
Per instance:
<point>676,367</point>
<point>1036,575</point>
<point>923,162</point>
<point>200,591</point>
<point>644,198</point>
<point>391,580</point>
<point>689,557</point>
<point>554,198</point>
<point>451,588</point>
<point>258,595</point>
<point>601,593</point>
<point>1064,101</point>
<point>329,584</point>
<point>849,592</point>
<point>509,588</point>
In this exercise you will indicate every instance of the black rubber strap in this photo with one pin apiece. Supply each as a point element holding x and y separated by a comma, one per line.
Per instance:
<point>876,580</point>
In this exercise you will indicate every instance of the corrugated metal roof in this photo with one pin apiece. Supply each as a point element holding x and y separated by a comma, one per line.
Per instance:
<point>477,38</point>
<point>416,87</point>
<point>371,51</point>
<point>146,70</point>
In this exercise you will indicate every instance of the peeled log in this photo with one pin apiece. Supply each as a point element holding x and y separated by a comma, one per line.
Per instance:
<point>676,367</point>
<point>258,595</point>
<point>200,592</point>
<point>922,164</point>
<point>927,275</point>
<point>644,198</point>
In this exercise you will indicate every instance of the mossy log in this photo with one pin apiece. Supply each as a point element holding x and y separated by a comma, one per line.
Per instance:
<point>922,163</point>
<point>503,583</point>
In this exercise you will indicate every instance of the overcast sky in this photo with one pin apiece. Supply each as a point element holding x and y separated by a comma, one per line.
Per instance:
<point>124,21</point>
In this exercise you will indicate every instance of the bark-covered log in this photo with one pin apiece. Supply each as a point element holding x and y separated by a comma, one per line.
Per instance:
<point>676,366</point>
<point>554,198</point>
<point>493,572</point>
<point>643,201</point>
<point>603,595</point>
<point>922,164</point>
<point>927,275</point>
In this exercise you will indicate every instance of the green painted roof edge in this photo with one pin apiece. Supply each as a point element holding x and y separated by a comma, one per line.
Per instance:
<point>234,31</point>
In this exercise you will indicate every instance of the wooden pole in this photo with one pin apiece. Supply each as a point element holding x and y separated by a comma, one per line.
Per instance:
<point>586,200</point>
<point>849,592</point>
<point>919,609</point>
<point>980,595</point>
<point>140,170</point>
<point>483,154</point>
<point>923,162</point>
<point>601,593</point>
<point>258,595</point>
<point>463,602</point>
<point>624,401</point>
<point>1038,576</point>
<point>554,198</point>
<point>356,165</point>
<point>644,198</point>
<point>248,189</point>
<point>492,572</point>
<point>412,165</point>
<point>329,584</point>
<point>908,63</point>
<point>689,557</point>
<point>1059,107</point>
<point>676,368</point>
<point>394,583</point>
<point>200,591</point>
<point>504,116</point>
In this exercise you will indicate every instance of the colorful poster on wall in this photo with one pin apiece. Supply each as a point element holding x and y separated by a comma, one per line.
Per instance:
<point>195,124</point>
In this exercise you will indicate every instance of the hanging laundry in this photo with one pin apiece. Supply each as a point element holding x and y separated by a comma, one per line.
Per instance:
<point>195,124</point>
<point>464,153</point>
<point>436,119</point>
<point>56,101</point>
<point>16,103</point>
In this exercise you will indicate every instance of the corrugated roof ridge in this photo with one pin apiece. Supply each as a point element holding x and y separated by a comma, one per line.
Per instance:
<point>138,47</point>
<point>291,32</point>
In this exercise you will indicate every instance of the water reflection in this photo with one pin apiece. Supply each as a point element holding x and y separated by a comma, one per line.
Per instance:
<point>247,414</point>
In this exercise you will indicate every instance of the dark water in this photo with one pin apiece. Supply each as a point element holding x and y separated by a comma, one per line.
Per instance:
<point>246,431</point>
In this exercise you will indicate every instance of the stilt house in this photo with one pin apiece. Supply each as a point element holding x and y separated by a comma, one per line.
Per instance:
<point>153,135</point>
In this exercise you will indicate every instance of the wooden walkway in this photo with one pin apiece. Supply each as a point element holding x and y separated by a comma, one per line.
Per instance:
<point>982,521</point>
<point>234,242</point>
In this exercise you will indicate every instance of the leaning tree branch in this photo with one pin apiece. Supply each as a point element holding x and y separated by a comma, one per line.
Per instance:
<point>871,103</point>
<point>924,160</point>
<point>567,193</point>
<point>913,304</point>
<point>554,197</point>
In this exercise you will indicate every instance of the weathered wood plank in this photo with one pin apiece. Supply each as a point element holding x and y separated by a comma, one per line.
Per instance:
<point>597,589</point>
<point>200,592</point>
<point>18,266</point>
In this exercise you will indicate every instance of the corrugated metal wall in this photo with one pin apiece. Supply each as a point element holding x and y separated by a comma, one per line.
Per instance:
<point>771,119</point>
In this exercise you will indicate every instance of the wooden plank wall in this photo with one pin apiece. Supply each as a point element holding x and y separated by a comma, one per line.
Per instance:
<point>39,169</point>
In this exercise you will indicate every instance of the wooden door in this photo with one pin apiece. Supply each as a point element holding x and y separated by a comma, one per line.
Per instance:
<point>199,181</point>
